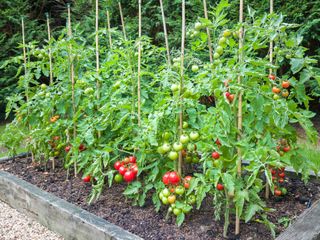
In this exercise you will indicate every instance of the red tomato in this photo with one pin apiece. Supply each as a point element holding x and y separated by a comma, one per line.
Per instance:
<point>82,147</point>
<point>117,165</point>
<point>227,94</point>
<point>87,178</point>
<point>285,84</point>
<point>277,192</point>
<point>122,170</point>
<point>273,172</point>
<point>174,178</point>
<point>272,77</point>
<point>187,178</point>
<point>135,169</point>
<point>129,176</point>
<point>282,174</point>
<point>215,155</point>
<point>286,149</point>
<point>281,180</point>
<point>67,149</point>
<point>186,185</point>
<point>165,178</point>
<point>132,159</point>
<point>220,187</point>
<point>276,90</point>
<point>218,142</point>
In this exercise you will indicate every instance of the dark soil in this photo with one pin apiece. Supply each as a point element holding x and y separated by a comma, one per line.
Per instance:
<point>148,224</point>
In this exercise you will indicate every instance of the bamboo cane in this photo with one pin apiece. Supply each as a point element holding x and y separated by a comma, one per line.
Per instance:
<point>139,67</point>
<point>50,70</point>
<point>109,29</point>
<point>239,163</point>
<point>183,36</point>
<point>208,31</point>
<point>25,76</point>
<point>165,32</point>
<point>72,82</point>
<point>122,22</point>
<point>267,192</point>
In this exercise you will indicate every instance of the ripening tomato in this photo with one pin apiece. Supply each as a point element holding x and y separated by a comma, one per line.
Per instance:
<point>285,84</point>
<point>172,199</point>
<point>281,180</point>
<point>220,187</point>
<point>276,90</point>
<point>285,93</point>
<point>67,148</point>
<point>272,77</point>
<point>277,192</point>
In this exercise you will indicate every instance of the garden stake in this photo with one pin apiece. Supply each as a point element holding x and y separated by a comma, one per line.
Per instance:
<point>109,29</point>
<point>237,227</point>
<point>267,192</point>
<point>50,68</point>
<point>25,76</point>
<point>122,22</point>
<point>183,35</point>
<point>139,67</point>
<point>165,33</point>
<point>72,82</point>
<point>208,31</point>
<point>97,55</point>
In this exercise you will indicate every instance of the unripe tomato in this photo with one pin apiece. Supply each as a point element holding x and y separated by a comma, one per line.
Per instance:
<point>191,199</point>
<point>285,93</point>
<point>216,55</point>
<point>227,33</point>
<point>185,125</point>
<point>177,211</point>
<point>174,87</point>
<point>222,40</point>
<point>118,178</point>
<point>179,190</point>
<point>166,147</point>
<point>184,139</point>
<point>172,199</point>
<point>195,68</point>
<point>219,50</point>
<point>173,155</point>
<point>194,136</point>
<point>166,192</point>
<point>177,146</point>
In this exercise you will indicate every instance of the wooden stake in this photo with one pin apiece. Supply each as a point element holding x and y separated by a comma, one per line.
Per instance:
<point>208,31</point>
<point>183,36</point>
<point>165,33</point>
<point>109,29</point>
<point>26,76</point>
<point>267,192</point>
<point>139,67</point>
<point>72,82</point>
<point>239,163</point>
<point>122,22</point>
<point>97,55</point>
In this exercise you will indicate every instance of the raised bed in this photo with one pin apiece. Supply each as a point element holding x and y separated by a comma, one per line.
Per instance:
<point>144,222</point>
<point>57,214</point>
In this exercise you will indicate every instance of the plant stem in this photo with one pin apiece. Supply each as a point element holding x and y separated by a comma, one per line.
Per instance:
<point>165,32</point>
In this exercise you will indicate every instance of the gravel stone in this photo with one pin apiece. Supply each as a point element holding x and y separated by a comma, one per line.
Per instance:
<point>17,226</point>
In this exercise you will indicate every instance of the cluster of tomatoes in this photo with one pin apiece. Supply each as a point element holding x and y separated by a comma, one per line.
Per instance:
<point>279,89</point>
<point>127,168</point>
<point>278,176</point>
<point>172,151</point>
<point>283,147</point>
<point>174,193</point>
<point>81,148</point>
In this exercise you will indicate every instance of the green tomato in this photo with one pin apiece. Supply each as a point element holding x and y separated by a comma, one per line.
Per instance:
<point>177,211</point>
<point>222,40</point>
<point>276,96</point>
<point>118,178</point>
<point>197,26</point>
<point>88,90</point>
<point>166,136</point>
<point>161,150</point>
<point>190,147</point>
<point>216,163</point>
<point>195,68</point>
<point>191,199</point>
<point>166,147</point>
<point>227,33</point>
<point>176,65</point>
<point>48,95</point>
<point>184,139</point>
<point>216,55</point>
<point>178,59</point>
<point>173,155</point>
<point>284,191</point>
<point>188,159</point>
<point>174,87</point>
<point>165,192</point>
<point>219,50</point>
<point>185,125</point>
<point>170,209</point>
<point>43,86</point>
<point>177,146</point>
<point>179,190</point>
<point>194,136</point>
<point>195,159</point>
<point>186,210</point>
<point>165,200</point>
<point>161,195</point>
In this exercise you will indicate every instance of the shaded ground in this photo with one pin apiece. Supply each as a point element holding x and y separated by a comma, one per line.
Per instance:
<point>148,224</point>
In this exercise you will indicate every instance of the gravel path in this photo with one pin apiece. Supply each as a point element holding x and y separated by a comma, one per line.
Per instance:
<point>17,226</point>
